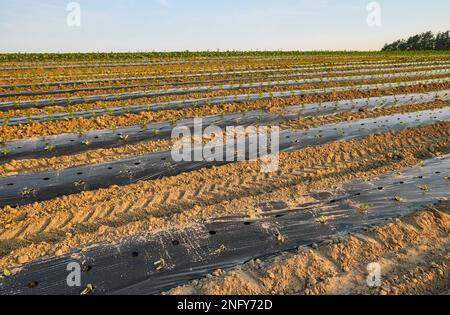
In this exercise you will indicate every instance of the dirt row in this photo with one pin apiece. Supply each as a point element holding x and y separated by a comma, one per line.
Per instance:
<point>413,253</point>
<point>127,150</point>
<point>8,133</point>
<point>73,222</point>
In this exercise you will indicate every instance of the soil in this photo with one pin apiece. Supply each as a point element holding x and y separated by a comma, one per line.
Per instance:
<point>62,224</point>
<point>413,253</point>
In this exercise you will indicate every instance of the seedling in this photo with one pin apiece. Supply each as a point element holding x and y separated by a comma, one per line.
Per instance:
<point>89,288</point>
<point>86,142</point>
<point>221,249</point>
<point>363,208</point>
<point>421,163</point>
<point>79,184</point>
<point>6,272</point>
<point>49,148</point>
<point>160,264</point>
<point>124,137</point>
<point>323,219</point>
<point>398,198</point>
<point>279,237</point>
<point>424,188</point>
<point>5,152</point>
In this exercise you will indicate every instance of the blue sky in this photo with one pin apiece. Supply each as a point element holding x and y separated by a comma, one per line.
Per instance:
<point>167,25</point>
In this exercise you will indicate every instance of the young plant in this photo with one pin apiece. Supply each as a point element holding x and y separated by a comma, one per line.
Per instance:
<point>160,264</point>
<point>89,288</point>
<point>323,219</point>
<point>220,250</point>
<point>363,208</point>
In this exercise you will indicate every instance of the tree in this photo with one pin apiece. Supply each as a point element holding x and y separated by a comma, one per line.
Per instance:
<point>423,41</point>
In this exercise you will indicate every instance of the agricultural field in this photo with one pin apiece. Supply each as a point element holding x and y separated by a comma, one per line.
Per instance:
<point>355,200</point>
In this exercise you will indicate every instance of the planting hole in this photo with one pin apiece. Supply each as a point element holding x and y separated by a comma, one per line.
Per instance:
<point>134,254</point>
<point>80,173</point>
<point>46,178</point>
<point>175,243</point>
<point>247,223</point>
<point>212,232</point>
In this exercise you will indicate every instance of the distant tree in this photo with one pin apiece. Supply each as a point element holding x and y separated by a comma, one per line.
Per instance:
<point>423,41</point>
<point>443,41</point>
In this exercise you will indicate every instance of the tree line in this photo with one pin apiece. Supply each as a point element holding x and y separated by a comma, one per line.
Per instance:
<point>423,41</point>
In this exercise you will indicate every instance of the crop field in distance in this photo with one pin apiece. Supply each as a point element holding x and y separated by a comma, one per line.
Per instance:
<point>215,173</point>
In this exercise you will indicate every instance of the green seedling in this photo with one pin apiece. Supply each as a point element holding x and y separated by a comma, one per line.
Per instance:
<point>79,184</point>
<point>221,249</point>
<point>5,152</point>
<point>160,264</point>
<point>6,272</point>
<point>323,219</point>
<point>89,288</point>
<point>86,142</point>
<point>49,148</point>
<point>398,198</point>
<point>363,208</point>
<point>124,137</point>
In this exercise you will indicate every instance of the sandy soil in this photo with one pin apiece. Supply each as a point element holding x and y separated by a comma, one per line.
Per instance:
<point>62,224</point>
<point>413,253</point>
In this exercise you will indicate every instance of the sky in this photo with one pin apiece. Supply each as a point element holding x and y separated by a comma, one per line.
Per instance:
<point>176,25</point>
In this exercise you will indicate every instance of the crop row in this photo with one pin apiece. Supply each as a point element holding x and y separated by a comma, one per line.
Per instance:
<point>27,188</point>
<point>75,143</point>
<point>221,100</point>
<point>11,105</point>
<point>207,73</point>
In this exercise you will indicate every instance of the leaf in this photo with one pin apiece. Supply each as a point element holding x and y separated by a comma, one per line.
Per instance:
<point>363,208</point>
<point>221,249</point>
<point>424,188</point>
<point>6,272</point>
<point>89,288</point>
<point>280,237</point>
<point>323,219</point>
<point>160,264</point>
